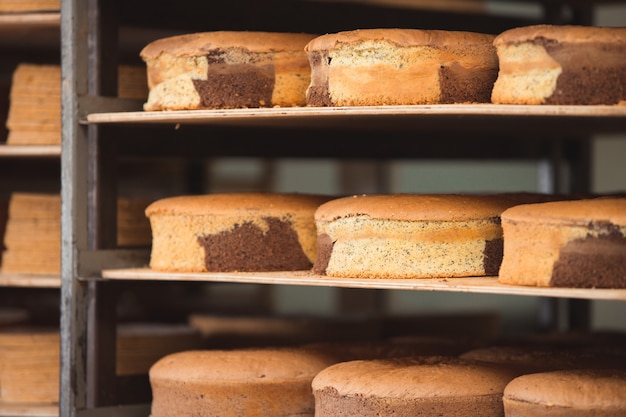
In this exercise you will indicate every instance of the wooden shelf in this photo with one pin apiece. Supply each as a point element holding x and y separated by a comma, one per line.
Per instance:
<point>29,280</point>
<point>30,151</point>
<point>29,410</point>
<point>19,30</point>
<point>441,118</point>
<point>478,285</point>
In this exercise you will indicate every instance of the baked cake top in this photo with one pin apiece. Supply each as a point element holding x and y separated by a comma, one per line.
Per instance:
<point>401,37</point>
<point>594,388</point>
<point>265,204</point>
<point>253,365</point>
<point>420,207</point>
<point>197,44</point>
<point>584,212</point>
<point>414,377</point>
<point>563,33</point>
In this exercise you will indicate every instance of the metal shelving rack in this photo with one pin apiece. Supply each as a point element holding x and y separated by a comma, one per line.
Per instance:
<point>91,265</point>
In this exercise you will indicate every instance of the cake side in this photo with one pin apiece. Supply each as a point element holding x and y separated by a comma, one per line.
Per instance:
<point>234,232</point>
<point>216,70</point>
<point>567,393</point>
<point>565,244</point>
<point>561,65</point>
<point>400,67</point>
<point>412,235</point>
<point>232,383</point>
<point>427,385</point>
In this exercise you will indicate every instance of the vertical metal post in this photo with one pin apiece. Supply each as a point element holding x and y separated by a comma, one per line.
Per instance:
<point>74,294</point>
<point>102,40</point>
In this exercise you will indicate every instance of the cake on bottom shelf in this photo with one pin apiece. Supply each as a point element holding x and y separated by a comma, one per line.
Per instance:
<point>561,65</point>
<point>256,381</point>
<point>580,243</point>
<point>428,386</point>
<point>229,232</point>
<point>413,235</point>
<point>567,393</point>
<point>32,238</point>
<point>29,356</point>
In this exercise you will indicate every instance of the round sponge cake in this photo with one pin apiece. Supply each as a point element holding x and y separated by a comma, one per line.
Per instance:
<point>561,64</point>
<point>369,67</point>
<point>227,69</point>
<point>567,393</point>
<point>249,232</point>
<point>412,235</point>
<point>426,386</point>
<point>579,243</point>
<point>236,383</point>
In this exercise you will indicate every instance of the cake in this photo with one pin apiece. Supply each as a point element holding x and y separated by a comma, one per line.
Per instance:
<point>580,243</point>
<point>370,67</point>
<point>238,331</point>
<point>567,393</point>
<point>29,356</point>
<point>526,359</point>
<point>34,226</point>
<point>425,386</point>
<point>34,116</point>
<point>256,382</point>
<point>566,65</point>
<point>412,235</point>
<point>247,232</point>
<point>227,69</point>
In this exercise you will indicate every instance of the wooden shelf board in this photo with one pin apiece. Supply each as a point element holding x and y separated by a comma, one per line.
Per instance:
<point>280,113</point>
<point>33,20</point>
<point>30,150</point>
<point>29,280</point>
<point>482,285</point>
<point>559,120</point>
<point>28,410</point>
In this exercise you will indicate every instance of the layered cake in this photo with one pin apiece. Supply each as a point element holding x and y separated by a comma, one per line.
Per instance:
<point>227,69</point>
<point>369,67</point>
<point>412,235</point>
<point>248,232</point>
<point>426,386</point>
<point>567,393</point>
<point>549,64</point>
<point>579,243</point>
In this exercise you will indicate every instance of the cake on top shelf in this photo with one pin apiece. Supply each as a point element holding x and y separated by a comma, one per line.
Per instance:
<point>564,65</point>
<point>227,69</point>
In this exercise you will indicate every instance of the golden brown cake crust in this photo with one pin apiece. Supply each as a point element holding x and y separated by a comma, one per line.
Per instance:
<point>586,391</point>
<point>420,207</point>
<point>582,212</point>
<point>428,386</point>
<point>232,203</point>
<point>195,44</point>
<point>244,366</point>
<point>563,33</point>
<point>402,37</point>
